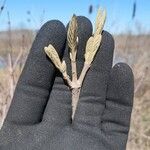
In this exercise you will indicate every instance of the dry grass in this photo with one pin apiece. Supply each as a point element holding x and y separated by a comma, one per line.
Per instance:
<point>134,51</point>
<point>19,39</point>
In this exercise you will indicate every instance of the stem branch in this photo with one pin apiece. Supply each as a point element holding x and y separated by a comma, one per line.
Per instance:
<point>83,73</point>
<point>74,71</point>
<point>76,91</point>
<point>75,99</point>
<point>67,78</point>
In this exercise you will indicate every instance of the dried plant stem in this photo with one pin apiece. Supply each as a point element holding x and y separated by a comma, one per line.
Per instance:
<point>11,78</point>
<point>75,98</point>
<point>74,71</point>
<point>76,91</point>
<point>92,47</point>
<point>3,115</point>
<point>84,72</point>
<point>72,43</point>
<point>17,60</point>
<point>67,78</point>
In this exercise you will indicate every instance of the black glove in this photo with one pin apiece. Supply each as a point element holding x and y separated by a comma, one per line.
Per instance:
<point>40,115</point>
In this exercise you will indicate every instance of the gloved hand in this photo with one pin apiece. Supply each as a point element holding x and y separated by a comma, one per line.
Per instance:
<point>40,115</point>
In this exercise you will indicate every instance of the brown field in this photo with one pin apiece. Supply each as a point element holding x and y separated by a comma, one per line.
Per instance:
<point>131,49</point>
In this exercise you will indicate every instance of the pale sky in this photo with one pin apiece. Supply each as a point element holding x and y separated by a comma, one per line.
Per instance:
<point>32,14</point>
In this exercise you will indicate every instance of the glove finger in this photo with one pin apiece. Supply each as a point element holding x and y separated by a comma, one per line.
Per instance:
<point>59,109</point>
<point>116,117</point>
<point>37,78</point>
<point>93,93</point>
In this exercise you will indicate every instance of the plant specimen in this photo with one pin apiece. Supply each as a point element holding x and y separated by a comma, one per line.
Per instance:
<point>91,49</point>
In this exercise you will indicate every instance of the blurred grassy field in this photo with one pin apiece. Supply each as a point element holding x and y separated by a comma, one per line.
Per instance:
<point>133,50</point>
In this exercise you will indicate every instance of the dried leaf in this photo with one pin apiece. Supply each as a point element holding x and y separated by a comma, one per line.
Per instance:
<point>72,36</point>
<point>94,41</point>
<point>91,48</point>
<point>64,66</point>
<point>53,55</point>
<point>89,44</point>
<point>100,21</point>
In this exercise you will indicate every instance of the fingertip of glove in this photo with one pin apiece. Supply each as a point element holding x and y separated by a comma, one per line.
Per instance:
<point>121,79</point>
<point>85,20</point>
<point>55,24</point>
<point>85,29</point>
<point>52,32</point>
<point>108,40</point>
<point>122,70</point>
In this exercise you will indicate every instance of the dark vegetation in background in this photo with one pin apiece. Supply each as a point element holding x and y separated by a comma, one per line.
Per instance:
<point>2,7</point>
